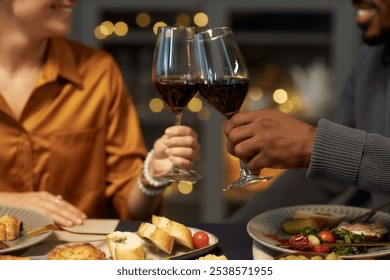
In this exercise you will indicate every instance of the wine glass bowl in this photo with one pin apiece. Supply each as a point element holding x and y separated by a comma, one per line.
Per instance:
<point>175,78</point>
<point>223,82</point>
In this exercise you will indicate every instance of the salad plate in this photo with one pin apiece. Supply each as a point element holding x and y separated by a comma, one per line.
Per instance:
<point>268,224</point>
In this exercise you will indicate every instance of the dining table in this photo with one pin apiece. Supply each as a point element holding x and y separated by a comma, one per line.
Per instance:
<point>233,240</point>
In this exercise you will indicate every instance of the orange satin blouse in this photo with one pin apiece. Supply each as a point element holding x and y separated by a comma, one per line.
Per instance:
<point>78,135</point>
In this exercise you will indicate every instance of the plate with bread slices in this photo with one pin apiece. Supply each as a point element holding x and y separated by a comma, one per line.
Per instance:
<point>160,239</point>
<point>283,228</point>
<point>14,223</point>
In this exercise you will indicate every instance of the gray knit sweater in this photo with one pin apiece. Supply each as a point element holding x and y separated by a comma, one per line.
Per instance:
<point>353,148</point>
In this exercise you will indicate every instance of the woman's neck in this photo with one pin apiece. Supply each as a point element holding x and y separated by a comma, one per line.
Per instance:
<point>19,52</point>
<point>21,61</point>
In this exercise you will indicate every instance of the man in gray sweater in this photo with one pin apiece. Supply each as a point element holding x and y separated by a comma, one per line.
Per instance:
<point>345,159</point>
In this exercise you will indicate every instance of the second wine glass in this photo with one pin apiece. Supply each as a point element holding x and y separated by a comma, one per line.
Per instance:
<point>174,77</point>
<point>224,82</point>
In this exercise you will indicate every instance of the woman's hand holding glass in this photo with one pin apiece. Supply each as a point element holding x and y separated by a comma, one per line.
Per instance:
<point>179,146</point>
<point>175,79</point>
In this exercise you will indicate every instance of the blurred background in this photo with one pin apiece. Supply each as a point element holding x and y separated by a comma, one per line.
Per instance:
<point>299,53</point>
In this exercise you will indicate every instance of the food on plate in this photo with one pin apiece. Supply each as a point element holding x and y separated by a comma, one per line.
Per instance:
<point>326,236</point>
<point>325,241</point>
<point>211,257</point>
<point>157,236</point>
<point>180,232</point>
<point>9,228</point>
<point>3,245</point>
<point>200,239</point>
<point>162,238</point>
<point>308,256</point>
<point>296,225</point>
<point>325,219</point>
<point>125,246</point>
<point>84,251</point>
<point>11,257</point>
<point>371,232</point>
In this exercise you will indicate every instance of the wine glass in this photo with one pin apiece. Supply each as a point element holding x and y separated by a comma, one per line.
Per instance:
<point>175,79</point>
<point>223,82</point>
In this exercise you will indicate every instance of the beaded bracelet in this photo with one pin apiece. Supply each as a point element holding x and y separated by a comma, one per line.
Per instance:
<point>149,192</point>
<point>149,178</point>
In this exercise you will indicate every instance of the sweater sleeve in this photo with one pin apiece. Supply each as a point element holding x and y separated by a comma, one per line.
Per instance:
<point>350,156</point>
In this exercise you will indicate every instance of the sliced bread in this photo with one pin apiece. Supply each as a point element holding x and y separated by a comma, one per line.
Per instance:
<point>157,236</point>
<point>326,219</point>
<point>180,232</point>
<point>125,246</point>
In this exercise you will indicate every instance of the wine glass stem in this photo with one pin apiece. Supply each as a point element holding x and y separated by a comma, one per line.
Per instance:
<point>178,116</point>
<point>244,170</point>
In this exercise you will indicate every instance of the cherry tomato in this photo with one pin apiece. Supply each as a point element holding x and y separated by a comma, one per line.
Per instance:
<point>200,239</point>
<point>326,236</point>
<point>321,248</point>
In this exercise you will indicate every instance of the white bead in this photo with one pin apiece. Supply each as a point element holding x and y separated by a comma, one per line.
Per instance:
<point>149,178</point>
<point>149,192</point>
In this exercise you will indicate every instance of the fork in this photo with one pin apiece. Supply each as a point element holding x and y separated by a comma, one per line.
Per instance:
<point>55,227</point>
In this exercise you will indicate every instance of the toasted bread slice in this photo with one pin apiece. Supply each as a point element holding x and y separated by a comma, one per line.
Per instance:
<point>180,232</point>
<point>157,236</point>
<point>210,257</point>
<point>9,228</point>
<point>125,246</point>
<point>78,251</point>
<point>326,219</point>
<point>12,257</point>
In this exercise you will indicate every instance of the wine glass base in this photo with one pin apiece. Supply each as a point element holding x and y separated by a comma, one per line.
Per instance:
<point>247,180</point>
<point>178,174</point>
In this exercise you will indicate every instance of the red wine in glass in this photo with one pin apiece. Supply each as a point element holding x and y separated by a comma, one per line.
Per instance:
<point>223,82</point>
<point>225,95</point>
<point>176,92</point>
<point>175,78</point>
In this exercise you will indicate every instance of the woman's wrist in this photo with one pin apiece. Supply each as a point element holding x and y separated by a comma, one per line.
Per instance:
<point>150,180</point>
<point>149,191</point>
<point>147,183</point>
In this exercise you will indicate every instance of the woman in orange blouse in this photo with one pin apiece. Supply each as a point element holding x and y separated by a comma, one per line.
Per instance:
<point>71,145</point>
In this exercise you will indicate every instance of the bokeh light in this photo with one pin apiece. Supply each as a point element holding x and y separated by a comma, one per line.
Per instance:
<point>157,25</point>
<point>98,33</point>
<point>121,28</point>
<point>143,20</point>
<point>156,105</point>
<point>195,105</point>
<point>107,28</point>
<point>255,93</point>
<point>183,19</point>
<point>201,19</point>
<point>185,187</point>
<point>280,96</point>
<point>287,107</point>
<point>204,114</point>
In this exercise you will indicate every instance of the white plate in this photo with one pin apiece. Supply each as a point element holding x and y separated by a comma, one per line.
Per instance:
<point>270,223</point>
<point>30,221</point>
<point>179,252</point>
